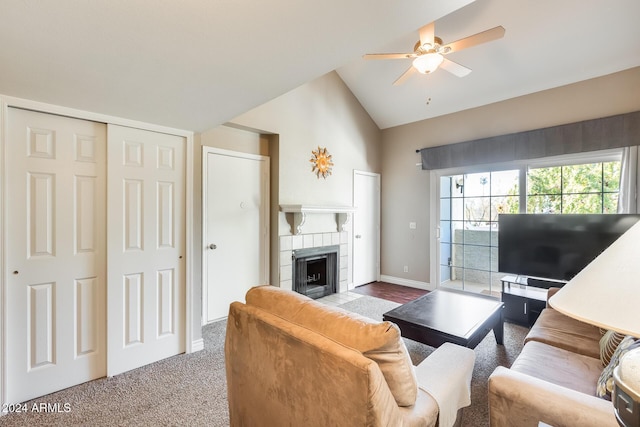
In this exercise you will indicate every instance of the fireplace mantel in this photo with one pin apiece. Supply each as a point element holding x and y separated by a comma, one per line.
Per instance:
<point>299,214</point>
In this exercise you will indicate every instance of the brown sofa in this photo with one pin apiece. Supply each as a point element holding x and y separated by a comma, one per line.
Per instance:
<point>554,378</point>
<point>292,361</point>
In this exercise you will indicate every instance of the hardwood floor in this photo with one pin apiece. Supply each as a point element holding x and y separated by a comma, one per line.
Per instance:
<point>389,291</point>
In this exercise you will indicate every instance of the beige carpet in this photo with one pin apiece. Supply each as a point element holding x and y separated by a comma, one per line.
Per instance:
<point>191,389</point>
<point>182,390</point>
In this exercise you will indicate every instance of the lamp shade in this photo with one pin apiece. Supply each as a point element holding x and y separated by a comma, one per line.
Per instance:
<point>606,293</point>
<point>428,62</point>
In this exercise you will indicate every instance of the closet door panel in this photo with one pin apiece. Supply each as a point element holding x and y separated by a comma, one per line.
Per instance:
<point>56,253</point>
<point>146,220</point>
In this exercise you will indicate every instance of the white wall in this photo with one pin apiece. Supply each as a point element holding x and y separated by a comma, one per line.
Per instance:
<point>230,138</point>
<point>406,188</point>
<point>321,113</point>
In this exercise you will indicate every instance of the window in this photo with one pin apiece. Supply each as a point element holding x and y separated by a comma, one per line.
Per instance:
<point>574,189</point>
<point>469,205</point>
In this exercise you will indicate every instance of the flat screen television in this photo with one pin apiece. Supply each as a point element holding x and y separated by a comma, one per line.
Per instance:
<point>553,246</point>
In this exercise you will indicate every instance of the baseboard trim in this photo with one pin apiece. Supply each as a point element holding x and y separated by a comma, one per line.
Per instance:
<point>197,345</point>
<point>407,282</point>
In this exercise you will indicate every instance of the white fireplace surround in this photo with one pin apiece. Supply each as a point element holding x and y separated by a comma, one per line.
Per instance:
<point>297,217</point>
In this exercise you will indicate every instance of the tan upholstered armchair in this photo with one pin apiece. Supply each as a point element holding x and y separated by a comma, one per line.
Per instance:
<point>292,361</point>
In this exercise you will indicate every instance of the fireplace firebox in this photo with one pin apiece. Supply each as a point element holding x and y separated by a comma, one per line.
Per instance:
<point>315,271</point>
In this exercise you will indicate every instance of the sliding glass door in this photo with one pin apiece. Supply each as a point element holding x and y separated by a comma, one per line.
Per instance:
<point>469,204</point>
<point>469,208</point>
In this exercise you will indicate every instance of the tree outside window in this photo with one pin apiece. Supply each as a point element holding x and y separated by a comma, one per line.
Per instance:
<point>574,189</point>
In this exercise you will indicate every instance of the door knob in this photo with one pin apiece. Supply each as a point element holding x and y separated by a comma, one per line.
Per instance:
<point>358,236</point>
<point>212,246</point>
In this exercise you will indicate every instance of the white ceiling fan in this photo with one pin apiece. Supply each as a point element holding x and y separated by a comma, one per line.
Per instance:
<point>428,53</point>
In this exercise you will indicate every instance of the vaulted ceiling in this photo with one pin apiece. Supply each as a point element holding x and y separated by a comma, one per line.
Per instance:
<point>546,45</point>
<point>195,64</point>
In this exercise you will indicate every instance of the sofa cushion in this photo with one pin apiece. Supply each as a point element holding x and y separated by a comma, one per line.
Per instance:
<point>379,341</point>
<point>605,381</point>
<point>559,366</point>
<point>558,330</point>
<point>608,344</point>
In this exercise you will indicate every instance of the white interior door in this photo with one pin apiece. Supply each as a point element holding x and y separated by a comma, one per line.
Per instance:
<point>236,227</point>
<point>366,227</point>
<point>55,288</point>
<point>146,238</point>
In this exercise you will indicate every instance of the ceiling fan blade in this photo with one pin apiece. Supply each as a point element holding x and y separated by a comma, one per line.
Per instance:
<point>455,68</point>
<point>476,39</point>
<point>427,33</point>
<point>389,55</point>
<point>404,76</point>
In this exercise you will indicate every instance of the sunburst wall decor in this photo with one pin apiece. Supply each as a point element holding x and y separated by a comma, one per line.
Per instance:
<point>321,162</point>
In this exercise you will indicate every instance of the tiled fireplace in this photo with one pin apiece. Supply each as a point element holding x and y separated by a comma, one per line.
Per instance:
<point>308,236</point>
<point>289,244</point>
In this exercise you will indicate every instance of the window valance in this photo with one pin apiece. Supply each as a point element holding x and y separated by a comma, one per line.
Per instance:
<point>622,130</point>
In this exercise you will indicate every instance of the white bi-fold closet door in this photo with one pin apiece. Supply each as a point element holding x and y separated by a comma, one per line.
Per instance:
<point>61,267</point>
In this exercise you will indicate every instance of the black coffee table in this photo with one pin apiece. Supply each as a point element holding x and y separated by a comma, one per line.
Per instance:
<point>452,316</point>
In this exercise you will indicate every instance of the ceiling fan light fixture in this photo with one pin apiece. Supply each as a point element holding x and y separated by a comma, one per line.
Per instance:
<point>428,62</point>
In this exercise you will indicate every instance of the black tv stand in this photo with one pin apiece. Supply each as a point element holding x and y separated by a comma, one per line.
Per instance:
<point>544,283</point>
<point>525,297</point>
